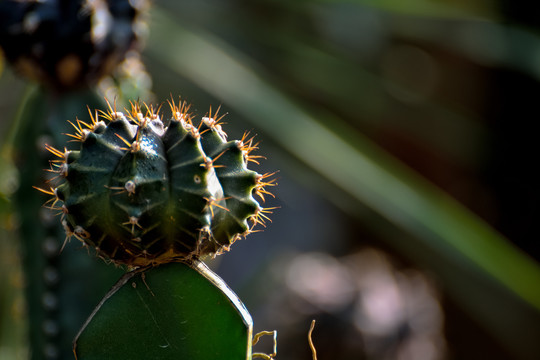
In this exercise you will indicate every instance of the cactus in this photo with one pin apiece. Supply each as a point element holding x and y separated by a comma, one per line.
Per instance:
<point>56,301</point>
<point>68,47</point>
<point>143,191</point>
<point>70,44</point>
<point>171,311</point>
<point>140,191</point>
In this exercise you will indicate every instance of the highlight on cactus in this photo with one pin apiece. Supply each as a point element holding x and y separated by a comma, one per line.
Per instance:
<point>142,190</point>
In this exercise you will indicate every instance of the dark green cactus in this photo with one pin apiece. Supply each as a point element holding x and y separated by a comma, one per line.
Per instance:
<point>61,288</point>
<point>144,191</point>
<point>67,44</point>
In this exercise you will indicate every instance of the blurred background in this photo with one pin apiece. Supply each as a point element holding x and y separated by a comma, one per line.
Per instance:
<point>403,133</point>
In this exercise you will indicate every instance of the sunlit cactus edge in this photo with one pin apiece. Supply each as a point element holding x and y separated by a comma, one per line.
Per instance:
<point>144,191</point>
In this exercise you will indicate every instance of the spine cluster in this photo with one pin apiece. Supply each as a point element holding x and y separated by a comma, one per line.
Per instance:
<point>144,191</point>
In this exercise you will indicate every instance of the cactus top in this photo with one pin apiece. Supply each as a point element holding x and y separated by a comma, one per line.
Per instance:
<point>144,191</point>
<point>69,44</point>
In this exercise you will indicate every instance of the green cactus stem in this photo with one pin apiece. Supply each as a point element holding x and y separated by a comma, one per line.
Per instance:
<point>171,311</point>
<point>144,191</point>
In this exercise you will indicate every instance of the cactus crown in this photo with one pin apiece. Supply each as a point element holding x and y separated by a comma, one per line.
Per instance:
<point>69,44</point>
<point>144,191</point>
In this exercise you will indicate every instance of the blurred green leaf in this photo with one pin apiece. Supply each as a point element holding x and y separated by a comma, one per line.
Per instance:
<point>442,9</point>
<point>481,270</point>
<point>174,311</point>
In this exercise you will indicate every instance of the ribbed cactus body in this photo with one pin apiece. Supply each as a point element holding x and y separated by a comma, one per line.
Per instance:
<point>146,191</point>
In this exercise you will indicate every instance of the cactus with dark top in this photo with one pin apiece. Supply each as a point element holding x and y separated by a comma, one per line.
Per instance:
<point>140,191</point>
<point>69,44</point>
<point>67,47</point>
<point>144,191</point>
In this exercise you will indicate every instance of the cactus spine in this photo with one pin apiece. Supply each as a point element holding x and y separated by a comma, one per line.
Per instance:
<point>144,191</point>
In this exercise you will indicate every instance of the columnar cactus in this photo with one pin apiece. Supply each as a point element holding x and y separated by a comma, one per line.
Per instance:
<point>144,191</point>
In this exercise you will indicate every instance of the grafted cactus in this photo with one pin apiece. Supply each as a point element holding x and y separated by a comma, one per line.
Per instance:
<point>144,191</point>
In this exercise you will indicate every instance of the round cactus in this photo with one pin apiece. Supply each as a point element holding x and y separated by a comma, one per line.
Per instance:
<point>144,191</point>
<point>69,44</point>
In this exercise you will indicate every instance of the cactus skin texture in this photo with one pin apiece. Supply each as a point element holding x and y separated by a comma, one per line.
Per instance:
<point>143,191</point>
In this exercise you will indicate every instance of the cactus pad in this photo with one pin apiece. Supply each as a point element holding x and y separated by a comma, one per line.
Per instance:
<point>145,191</point>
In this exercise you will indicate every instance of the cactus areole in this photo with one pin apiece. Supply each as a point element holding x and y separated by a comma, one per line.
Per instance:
<point>144,191</point>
